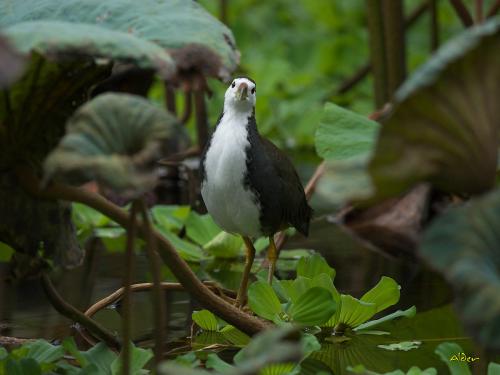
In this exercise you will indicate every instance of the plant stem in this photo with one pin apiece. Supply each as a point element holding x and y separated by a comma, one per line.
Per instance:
<point>434,26</point>
<point>494,9</point>
<point>394,44</point>
<point>170,256</point>
<point>127,280</point>
<point>479,11</point>
<point>462,12</point>
<point>188,107</point>
<point>377,50</point>
<point>158,296</point>
<point>201,116</point>
<point>71,312</point>
<point>170,98</point>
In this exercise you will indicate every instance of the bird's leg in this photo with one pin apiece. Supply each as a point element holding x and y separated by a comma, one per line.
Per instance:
<point>272,256</point>
<point>241,298</point>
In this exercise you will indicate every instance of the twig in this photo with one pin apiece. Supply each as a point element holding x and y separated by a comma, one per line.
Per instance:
<point>127,280</point>
<point>71,312</point>
<point>141,287</point>
<point>158,297</point>
<point>13,341</point>
<point>200,108</point>
<point>462,12</point>
<point>245,322</point>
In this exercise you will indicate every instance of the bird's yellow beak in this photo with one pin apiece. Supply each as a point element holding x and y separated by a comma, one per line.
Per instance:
<point>242,91</point>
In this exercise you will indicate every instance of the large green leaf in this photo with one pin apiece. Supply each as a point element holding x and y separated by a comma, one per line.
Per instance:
<point>463,245</point>
<point>314,307</point>
<point>205,320</point>
<point>354,312</point>
<point>114,139</point>
<point>444,127</point>
<point>263,300</point>
<point>343,134</point>
<point>59,38</point>
<point>138,359</point>
<point>446,351</point>
<point>224,245</point>
<point>192,35</point>
<point>201,228</point>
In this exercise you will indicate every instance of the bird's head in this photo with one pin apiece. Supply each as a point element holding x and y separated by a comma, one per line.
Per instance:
<point>240,95</point>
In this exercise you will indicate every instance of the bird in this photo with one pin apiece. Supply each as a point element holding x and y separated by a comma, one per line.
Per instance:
<point>249,186</point>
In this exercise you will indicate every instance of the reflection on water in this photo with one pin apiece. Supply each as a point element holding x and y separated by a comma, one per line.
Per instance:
<point>26,313</point>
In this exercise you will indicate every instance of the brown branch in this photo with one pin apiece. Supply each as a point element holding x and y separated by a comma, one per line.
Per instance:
<point>200,108</point>
<point>188,107</point>
<point>180,269</point>
<point>478,6</point>
<point>494,9</point>
<point>127,280</point>
<point>14,341</point>
<point>462,12</point>
<point>158,297</point>
<point>170,99</point>
<point>71,312</point>
<point>142,287</point>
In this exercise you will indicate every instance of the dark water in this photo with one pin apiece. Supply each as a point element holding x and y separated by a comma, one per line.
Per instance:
<point>25,312</point>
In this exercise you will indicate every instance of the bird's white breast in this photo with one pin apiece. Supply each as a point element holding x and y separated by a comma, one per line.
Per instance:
<point>233,207</point>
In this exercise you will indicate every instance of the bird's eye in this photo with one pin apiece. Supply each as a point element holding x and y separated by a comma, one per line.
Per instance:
<point>253,90</point>
<point>233,84</point>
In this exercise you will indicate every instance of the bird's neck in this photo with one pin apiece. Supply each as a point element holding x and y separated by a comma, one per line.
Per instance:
<point>237,117</point>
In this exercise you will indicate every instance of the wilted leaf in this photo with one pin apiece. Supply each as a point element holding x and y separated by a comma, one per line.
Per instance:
<point>403,345</point>
<point>463,244</point>
<point>114,139</point>
<point>444,128</point>
<point>263,300</point>
<point>314,307</point>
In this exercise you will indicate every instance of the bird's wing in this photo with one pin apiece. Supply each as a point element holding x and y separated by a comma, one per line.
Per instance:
<point>296,209</point>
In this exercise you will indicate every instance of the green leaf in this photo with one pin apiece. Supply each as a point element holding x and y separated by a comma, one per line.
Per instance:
<point>170,218</point>
<point>263,300</point>
<point>403,345</point>
<point>224,245</point>
<point>325,281</point>
<point>70,346</point>
<point>215,363</point>
<point>408,313</point>
<point>386,293</point>
<point>354,312</point>
<point>44,352</point>
<point>196,39</point>
<point>235,336</point>
<point>205,320</point>
<point>5,252</point>
<point>172,368</point>
<point>138,359</point>
<point>101,356</point>
<point>50,37</point>
<point>114,138</point>
<point>314,307</point>
<point>314,265</point>
<point>463,245</point>
<point>444,127</point>
<point>295,288</point>
<point>187,250</point>
<point>25,366</point>
<point>343,134</point>
<point>493,368</point>
<point>280,369</point>
<point>446,351</point>
<point>114,239</point>
<point>86,217</point>
<point>201,228</point>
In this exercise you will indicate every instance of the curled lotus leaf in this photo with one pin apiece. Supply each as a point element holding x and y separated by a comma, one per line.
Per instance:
<point>444,126</point>
<point>115,139</point>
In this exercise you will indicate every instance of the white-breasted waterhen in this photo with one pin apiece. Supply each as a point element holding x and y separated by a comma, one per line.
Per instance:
<point>249,186</point>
